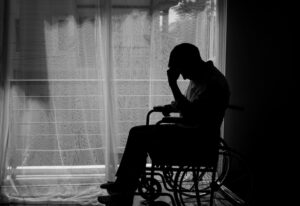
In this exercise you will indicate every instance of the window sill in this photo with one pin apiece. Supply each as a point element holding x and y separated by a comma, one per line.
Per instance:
<point>47,175</point>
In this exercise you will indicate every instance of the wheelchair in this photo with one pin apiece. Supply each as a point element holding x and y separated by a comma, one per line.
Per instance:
<point>192,183</point>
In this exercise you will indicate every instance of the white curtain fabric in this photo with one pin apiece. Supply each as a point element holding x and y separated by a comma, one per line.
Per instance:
<point>77,75</point>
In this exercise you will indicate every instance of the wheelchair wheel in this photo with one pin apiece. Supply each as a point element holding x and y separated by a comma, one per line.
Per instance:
<point>237,186</point>
<point>185,190</point>
<point>149,189</point>
<point>223,163</point>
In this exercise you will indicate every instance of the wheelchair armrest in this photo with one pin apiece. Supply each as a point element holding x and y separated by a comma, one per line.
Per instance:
<point>171,120</point>
<point>165,110</point>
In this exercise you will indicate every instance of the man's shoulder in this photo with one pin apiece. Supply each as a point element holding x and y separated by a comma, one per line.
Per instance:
<point>210,63</point>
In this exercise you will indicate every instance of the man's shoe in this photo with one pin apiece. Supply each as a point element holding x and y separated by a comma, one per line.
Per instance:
<point>116,199</point>
<point>111,187</point>
<point>105,199</point>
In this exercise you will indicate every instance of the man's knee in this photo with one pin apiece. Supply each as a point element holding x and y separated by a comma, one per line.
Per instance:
<point>140,134</point>
<point>138,129</point>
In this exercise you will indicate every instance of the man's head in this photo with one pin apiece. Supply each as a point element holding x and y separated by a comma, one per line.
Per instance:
<point>186,59</point>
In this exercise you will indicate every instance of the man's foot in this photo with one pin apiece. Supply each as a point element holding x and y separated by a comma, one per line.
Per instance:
<point>105,199</point>
<point>116,199</point>
<point>111,187</point>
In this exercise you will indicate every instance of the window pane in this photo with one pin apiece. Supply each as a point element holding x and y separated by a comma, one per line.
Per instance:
<point>57,110</point>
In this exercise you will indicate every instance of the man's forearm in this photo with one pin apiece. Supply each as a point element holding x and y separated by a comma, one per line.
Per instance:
<point>178,96</point>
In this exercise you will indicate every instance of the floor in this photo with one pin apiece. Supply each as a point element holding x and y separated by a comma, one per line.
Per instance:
<point>220,200</point>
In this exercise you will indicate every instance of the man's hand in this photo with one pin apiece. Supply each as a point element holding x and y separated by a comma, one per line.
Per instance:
<point>173,75</point>
<point>166,109</point>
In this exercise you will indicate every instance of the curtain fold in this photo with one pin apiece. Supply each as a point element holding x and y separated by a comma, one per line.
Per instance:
<point>76,75</point>
<point>105,35</point>
<point>4,100</point>
<point>56,114</point>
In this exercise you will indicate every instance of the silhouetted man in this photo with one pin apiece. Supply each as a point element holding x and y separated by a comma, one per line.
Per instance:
<point>202,109</point>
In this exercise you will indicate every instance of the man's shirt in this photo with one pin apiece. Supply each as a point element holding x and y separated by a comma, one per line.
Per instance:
<point>206,100</point>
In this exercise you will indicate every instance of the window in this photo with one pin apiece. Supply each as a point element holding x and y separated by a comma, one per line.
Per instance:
<point>81,76</point>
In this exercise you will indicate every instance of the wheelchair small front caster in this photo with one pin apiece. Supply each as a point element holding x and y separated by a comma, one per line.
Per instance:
<point>149,189</point>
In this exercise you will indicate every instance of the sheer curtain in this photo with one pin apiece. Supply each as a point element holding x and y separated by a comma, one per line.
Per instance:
<point>76,75</point>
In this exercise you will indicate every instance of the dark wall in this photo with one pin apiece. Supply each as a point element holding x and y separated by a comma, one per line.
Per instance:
<point>261,71</point>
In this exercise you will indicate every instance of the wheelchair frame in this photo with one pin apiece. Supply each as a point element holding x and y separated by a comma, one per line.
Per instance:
<point>182,182</point>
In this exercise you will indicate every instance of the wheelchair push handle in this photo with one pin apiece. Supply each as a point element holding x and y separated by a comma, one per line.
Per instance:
<point>235,107</point>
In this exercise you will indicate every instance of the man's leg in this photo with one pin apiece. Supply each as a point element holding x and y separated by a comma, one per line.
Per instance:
<point>131,167</point>
<point>134,157</point>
